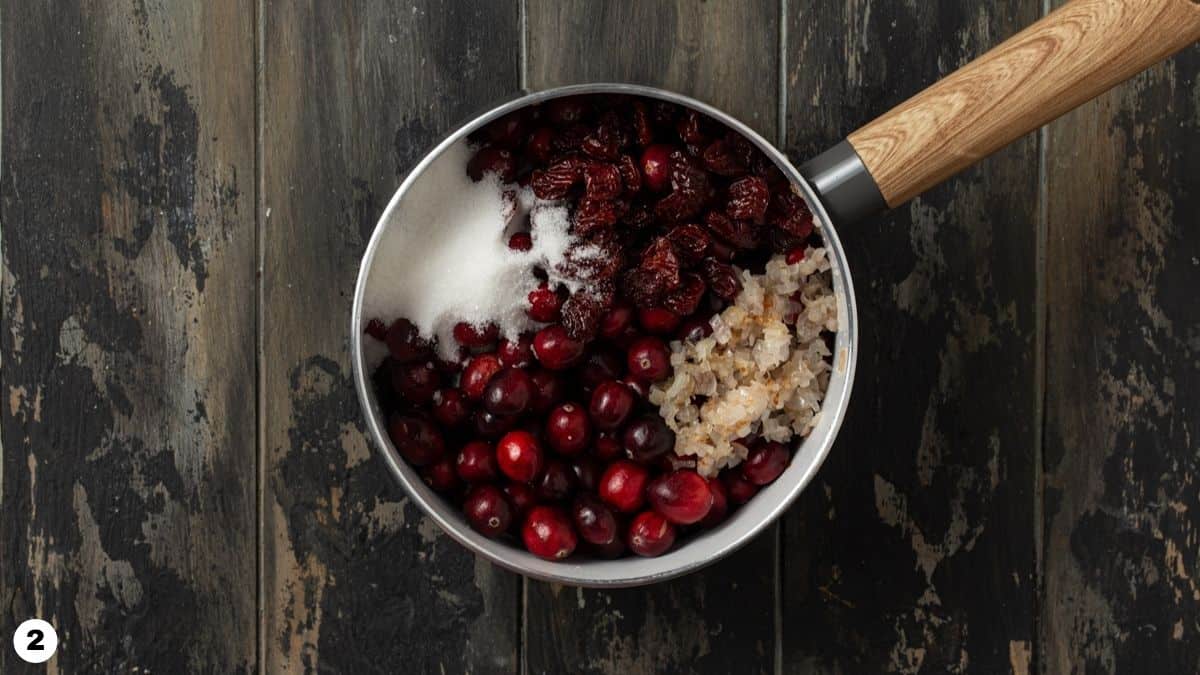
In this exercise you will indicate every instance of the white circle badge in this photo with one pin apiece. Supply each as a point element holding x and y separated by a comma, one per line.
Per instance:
<point>35,641</point>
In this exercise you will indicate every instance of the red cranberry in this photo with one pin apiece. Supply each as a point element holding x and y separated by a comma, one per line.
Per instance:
<point>616,322</point>
<point>594,521</point>
<point>491,425</point>
<point>600,366</point>
<point>476,375</point>
<point>650,534</point>
<point>441,476</point>
<point>405,343</point>
<point>540,144</point>
<point>548,534</point>
<point>544,304</point>
<point>472,337</point>
<point>623,485</point>
<point>638,387</point>
<point>587,472</point>
<point>520,241</point>
<point>795,255</point>
<point>611,404</point>
<point>609,551</point>
<point>490,159</point>
<point>477,462</point>
<point>765,462</point>
<point>738,489</point>
<point>416,382</point>
<point>516,354</point>
<point>564,111</point>
<point>508,392</point>
<point>656,167</point>
<point>673,462</point>
<point>657,320</point>
<point>488,511</point>
<point>649,359</point>
<point>376,329</point>
<point>548,390</point>
<point>555,349</point>
<point>694,330</point>
<point>682,497</point>
<point>450,408</point>
<point>648,438</point>
<point>568,429</point>
<point>519,456</point>
<point>521,496</point>
<point>556,483</point>
<point>607,447</point>
<point>720,505</point>
<point>416,440</point>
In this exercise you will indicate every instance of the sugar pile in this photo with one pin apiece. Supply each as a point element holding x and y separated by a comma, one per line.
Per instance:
<point>444,257</point>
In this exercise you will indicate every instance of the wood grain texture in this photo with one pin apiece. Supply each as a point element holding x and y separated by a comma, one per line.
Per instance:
<point>914,548</point>
<point>1069,57</point>
<point>1122,525</point>
<point>722,619</point>
<point>127,197</point>
<point>356,578</point>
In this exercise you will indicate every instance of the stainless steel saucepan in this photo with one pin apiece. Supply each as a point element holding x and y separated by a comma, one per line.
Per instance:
<point>1067,58</point>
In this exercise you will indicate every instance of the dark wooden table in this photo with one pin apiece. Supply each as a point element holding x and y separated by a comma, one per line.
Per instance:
<point>187,487</point>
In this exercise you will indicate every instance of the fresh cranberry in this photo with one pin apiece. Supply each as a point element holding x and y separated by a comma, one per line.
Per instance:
<point>519,456</point>
<point>611,404</point>
<point>607,447</point>
<point>623,485</point>
<point>508,130</point>
<point>648,438</point>
<point>477,374</point>
<point>490,159</point>
<point>682,497</point>
<point>565,110</point>
<point>656,167</point>
<point>491,425</point>
<point>795,255</point>
<point>649,359</point>
<point>477,462</point>
<point>765,462</point>
<point>657,320</point>
<point>568,429</point>
<point>508,392</point>
<point>450,407</point>
<point>593,519</point>
<point>441,476</point>
<point>720,505</point>
<point>488,511</point>
<point>548,390</point>
<point>609,551</point>
<point>555,349</point>
<point>520,241</point>
<point>600,366</point>
<point>587,472</point>
<point>516,353</point>
<point>544,304</point>
<point>694,330</point>
<point>616,322</point>
<point>521,496</point>
<point>416,440</point>
<point>650,534</point>
<point>738,489</point>
<point>638,387</point>
<point>416,382</point>
<point>473,337</point>
<point>556,483</point>
<point>405,343</point>
<point>547,533</point>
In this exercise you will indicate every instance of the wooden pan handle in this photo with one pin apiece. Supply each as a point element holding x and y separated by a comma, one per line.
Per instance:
<point>1069,57</point>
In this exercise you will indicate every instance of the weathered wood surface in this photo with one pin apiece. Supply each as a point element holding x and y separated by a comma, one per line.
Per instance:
<point>723,619</point>
<point>914,550</point>
<point>127,203</point>
<point>355,577</point>
<point>1122,502</point>
<point>139,191</point>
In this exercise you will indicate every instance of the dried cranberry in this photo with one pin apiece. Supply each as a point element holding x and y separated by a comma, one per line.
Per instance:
<point>441,476</point>
<point>556,483</point>
<point>679,206</point>
<point>720,505</point>
<point>648,359</point>
<point>474,337</point>
<point>723,279</point>
<point>623,485</point>
<point>690,242</point>
<point>682,497</point>
<point>684,301</point>
<point>376,329</point>
<point>519,456</point>
<point>508,392</point>
<point>582,313</point>
<point>405,343</point>
<point>650,534</point>
<point>565,110</point>
<point>660,259</point>
<point>656,167</point>
<point>741,234</point>
<point>603,143</point>
<point>691,127</point>
<point>723,160</point>
<point>657,320</point>
<point>416,382</point>
<point>540,146</point>
<point>648,438</point>
<point>555,349</point>
<point>507,131</point>
<point>611,404</point>
<point>748,199</point>
<point>548,390</point>
<point>593,216</point>
<point>548,534</point>
<point>568,429</point>
<point>594,521</point>
<point>416,440</point>
<point>450,407</point>
<point>516,354</point>
<point>642,133</point>
<point>488,511</point>
<point>544,304</point>
<point>556,180</point>
<point>631,177</point>
<point>476,463</point>
<point>520,241</point>
<point>606,447</point>
<point>491,159</point>
<point>765,463</point>
<point>476,375</point>
<point>602,181</point>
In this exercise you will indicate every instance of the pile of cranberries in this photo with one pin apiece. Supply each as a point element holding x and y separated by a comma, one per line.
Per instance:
<point>550,438</point>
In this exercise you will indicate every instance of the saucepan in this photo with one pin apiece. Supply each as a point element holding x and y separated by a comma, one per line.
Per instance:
<point>1069,57</point>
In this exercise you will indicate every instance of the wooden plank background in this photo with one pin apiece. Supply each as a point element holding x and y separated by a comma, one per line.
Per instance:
<point>186,188</point>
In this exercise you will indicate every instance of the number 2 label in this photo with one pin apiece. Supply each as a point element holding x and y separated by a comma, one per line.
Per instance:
<point>35,641</point>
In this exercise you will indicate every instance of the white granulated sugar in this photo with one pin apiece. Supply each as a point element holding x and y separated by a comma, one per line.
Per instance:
<point>444,257</point>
